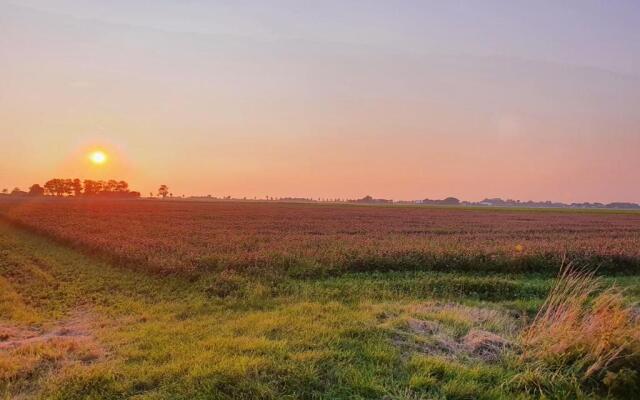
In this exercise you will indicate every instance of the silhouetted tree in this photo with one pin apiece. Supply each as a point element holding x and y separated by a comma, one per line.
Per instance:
<point>91,187</point>
<point>17,192</point>
<point>451,201</point>
<point>122,187</point>
<point>49,188</point>
<point>67,185</point>
<point>55,187</point>
<point>36,190</point>
<point>5,191</point>
<point>77,187</point>
<point>163,191</point>
<point>110,186</point>
<point>88,187</point>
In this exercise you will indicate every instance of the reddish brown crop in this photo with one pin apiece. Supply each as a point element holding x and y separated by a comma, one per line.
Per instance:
<point>179,236</point>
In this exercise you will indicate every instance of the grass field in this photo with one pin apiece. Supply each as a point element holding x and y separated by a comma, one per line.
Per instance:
<point>181,300</point>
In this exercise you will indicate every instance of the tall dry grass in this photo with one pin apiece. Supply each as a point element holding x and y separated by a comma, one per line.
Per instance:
<point>584,328</point>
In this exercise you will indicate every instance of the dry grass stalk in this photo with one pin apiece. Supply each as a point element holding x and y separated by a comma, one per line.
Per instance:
<point>583,326</point>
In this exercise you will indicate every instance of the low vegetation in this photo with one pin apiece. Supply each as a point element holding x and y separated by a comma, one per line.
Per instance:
<point>587,330</point>
<point>319,240</point>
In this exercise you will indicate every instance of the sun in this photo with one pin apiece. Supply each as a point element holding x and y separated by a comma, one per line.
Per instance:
<point>98,157</point>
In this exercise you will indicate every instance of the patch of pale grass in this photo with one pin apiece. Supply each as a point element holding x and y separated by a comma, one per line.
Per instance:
<point>463,318</point>
<point>37,356</point>
<point>584,328</point>
<point>12,306</point>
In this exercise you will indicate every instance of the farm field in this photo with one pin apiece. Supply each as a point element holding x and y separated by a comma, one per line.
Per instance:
<point>317,240</point>
<point>229,300</point>
<point>329,200</point>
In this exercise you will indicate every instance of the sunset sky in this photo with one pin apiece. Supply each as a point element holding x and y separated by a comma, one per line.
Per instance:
<point>397,99</point>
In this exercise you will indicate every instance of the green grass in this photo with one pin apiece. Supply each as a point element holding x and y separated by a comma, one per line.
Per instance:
<point>235,336</point>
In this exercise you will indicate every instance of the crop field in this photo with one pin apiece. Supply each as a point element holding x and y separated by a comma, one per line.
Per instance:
<point>311,239</point>
<point>142,299</point>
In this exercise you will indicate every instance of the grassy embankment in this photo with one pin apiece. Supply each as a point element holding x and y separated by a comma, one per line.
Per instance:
<point>82,328</point>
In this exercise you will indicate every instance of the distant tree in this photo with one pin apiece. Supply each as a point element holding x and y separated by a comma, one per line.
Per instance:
<point>122,187</point>
<point>76,186</point>
<point>5,191</point>
<point>67,186</point>
<point>36,190</point>
<point>88,187</point>
<point>17,192</point>
<point>91,187</point>
<point>55,187</point>
<point>163,191</point>
<point>452,201</point>
<point>110,186</point>
<point>49,188</point>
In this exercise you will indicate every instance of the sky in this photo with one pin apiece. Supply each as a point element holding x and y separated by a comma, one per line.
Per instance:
<point>407,99</point>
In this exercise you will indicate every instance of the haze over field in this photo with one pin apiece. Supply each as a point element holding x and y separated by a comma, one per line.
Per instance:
<point>399,100</point>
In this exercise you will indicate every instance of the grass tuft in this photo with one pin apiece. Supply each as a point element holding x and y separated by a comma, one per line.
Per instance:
<point>585,329</point>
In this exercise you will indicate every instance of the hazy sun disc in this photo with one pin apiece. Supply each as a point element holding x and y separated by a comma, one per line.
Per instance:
<point>98,157</point>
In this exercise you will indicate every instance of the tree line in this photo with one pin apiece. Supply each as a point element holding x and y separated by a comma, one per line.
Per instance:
<point>75,187</point>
